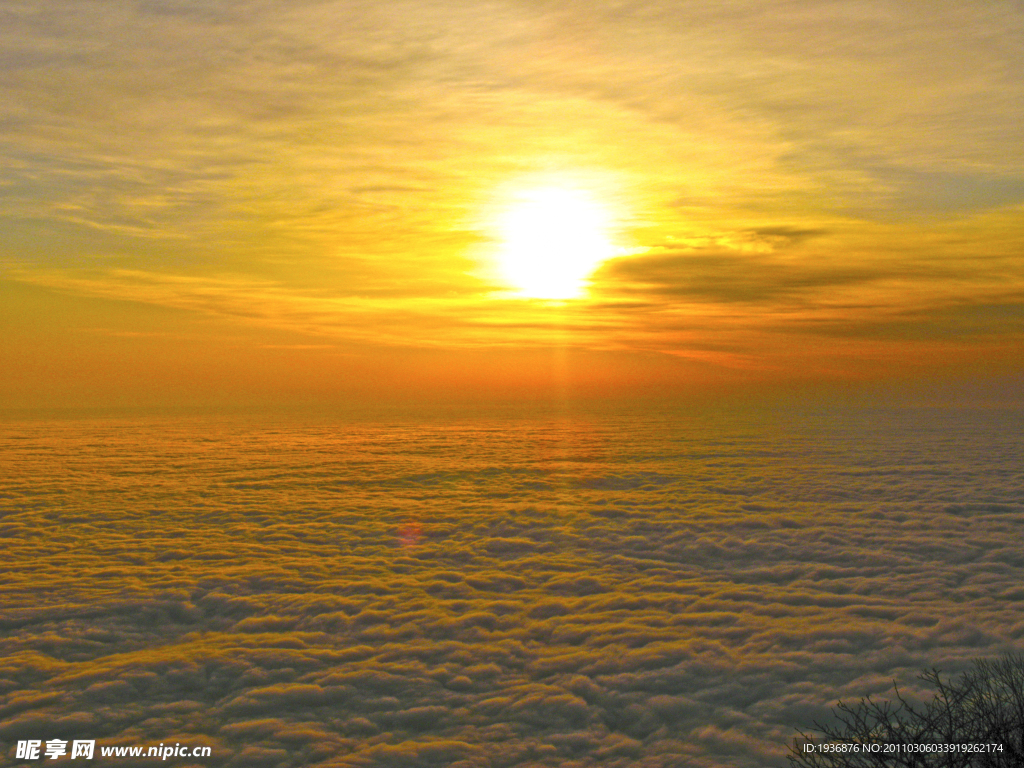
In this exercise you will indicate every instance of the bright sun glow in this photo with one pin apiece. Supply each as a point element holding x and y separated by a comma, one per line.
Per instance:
<point>552,239</point>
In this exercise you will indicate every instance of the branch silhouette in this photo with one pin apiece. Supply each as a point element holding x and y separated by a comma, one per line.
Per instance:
<point>983,707</point>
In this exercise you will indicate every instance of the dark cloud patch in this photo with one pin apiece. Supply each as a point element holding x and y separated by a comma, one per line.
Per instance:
<point>786,234</point>
<point>732,276</point>
<point>944,321</point>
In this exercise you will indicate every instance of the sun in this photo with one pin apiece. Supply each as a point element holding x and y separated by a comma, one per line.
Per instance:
<point>552,239</point>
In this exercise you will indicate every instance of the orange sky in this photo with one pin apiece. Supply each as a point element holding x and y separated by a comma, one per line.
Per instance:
<point>216,202</point>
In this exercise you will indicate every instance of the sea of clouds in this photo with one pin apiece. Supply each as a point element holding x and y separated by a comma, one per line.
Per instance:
<point>495,592</point>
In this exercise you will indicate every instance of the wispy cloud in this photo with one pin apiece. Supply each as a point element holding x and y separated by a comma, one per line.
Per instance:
<point>329,167</point>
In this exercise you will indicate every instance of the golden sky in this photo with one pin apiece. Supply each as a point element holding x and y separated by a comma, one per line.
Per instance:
<point>293,201</point>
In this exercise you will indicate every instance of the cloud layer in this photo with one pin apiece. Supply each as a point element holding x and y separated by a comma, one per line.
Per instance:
<point>585,592</point>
